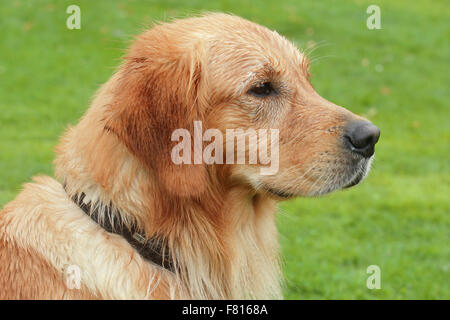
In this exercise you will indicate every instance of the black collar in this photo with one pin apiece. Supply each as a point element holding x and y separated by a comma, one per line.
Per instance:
<point>151,249</point>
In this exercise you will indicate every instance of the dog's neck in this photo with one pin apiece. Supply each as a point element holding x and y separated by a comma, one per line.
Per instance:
<point>227,249</point>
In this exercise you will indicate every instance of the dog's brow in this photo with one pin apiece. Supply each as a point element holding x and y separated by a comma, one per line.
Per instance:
<point>250,77</point>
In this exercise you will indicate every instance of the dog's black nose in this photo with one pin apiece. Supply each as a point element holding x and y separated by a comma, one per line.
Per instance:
<point>361,137</point>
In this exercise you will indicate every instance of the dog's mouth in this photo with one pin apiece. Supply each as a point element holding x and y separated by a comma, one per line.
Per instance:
<point>279,193</point>
<point>361,173</point>
<point>357,179</point>
<point>357,175</point>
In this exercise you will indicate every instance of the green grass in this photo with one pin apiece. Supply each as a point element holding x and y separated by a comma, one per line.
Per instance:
<point>398,219</point>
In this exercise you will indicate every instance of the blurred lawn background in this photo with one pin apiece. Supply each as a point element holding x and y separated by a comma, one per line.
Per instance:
<point>398,77</point>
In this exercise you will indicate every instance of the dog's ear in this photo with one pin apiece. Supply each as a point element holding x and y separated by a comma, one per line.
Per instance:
<point>158,91</point>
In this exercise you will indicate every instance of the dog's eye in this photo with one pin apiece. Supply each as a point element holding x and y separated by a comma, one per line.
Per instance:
<point>262,89</point>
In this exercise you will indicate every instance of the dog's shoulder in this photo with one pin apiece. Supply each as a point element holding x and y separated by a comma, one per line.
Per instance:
<point>21,236</point>
<point>29,201</point>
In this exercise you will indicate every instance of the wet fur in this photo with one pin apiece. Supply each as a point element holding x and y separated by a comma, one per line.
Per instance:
<point>217,220</point>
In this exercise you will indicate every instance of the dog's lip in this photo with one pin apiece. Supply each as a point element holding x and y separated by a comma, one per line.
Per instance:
<point>279,193</point>
<point>356,179</point>
<point>353,182</point>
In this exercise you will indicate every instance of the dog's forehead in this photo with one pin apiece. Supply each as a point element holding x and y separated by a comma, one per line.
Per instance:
<point>228,32</point>
<point>254,40</point>
<point>237,43</point>
<point>245,54</point>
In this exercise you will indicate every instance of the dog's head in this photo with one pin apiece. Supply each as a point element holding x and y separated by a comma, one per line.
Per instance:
<point>228,73</point>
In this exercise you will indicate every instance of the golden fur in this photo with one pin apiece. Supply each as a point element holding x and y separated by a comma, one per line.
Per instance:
<point>217,220</point>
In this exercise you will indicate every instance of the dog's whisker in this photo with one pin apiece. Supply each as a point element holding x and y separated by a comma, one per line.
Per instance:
<point>317,59</point>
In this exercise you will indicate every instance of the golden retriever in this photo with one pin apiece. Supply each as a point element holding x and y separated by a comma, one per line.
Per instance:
<point>161,230</point>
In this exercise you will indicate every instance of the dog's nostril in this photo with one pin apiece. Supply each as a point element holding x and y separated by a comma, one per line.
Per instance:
<point>362,137</point>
